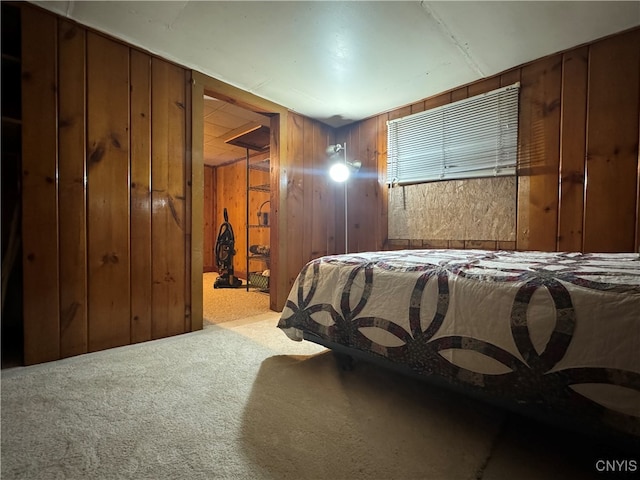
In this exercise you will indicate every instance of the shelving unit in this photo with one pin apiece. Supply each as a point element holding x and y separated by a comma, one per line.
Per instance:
<point>258,255</point>
<point>256,137</point>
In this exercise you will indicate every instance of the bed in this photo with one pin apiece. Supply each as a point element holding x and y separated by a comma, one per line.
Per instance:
<point>554,335</point>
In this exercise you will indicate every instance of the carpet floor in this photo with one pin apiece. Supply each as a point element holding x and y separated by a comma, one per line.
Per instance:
<point>239,400</point>
<point>227,304</point>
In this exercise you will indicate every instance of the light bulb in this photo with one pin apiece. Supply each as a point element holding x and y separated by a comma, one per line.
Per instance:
<point>339,172</point>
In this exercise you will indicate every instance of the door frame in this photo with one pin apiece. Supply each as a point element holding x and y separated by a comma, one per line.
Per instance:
<point>202,84</point>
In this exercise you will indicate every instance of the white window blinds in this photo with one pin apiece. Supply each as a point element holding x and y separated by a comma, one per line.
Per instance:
<point>474,137</point>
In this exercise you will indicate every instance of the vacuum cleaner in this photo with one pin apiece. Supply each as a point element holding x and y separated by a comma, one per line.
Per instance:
<point>225,250</point>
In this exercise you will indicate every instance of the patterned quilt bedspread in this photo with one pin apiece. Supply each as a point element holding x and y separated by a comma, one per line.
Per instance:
<point>554,330</point>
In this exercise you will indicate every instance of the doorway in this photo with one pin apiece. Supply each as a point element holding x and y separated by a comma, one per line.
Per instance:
<point>235,140</point>
<point>202,85</point>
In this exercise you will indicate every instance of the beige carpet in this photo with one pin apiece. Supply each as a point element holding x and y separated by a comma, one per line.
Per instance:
<point>241,401</point>
<point>228,304</point>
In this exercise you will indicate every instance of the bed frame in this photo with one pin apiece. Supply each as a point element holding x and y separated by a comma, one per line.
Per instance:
<point>555,336</point>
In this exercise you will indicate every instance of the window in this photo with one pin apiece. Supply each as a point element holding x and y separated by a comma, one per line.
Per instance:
<point>471,138</point>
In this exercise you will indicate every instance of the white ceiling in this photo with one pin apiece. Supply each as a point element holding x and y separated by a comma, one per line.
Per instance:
<point>342,61</point>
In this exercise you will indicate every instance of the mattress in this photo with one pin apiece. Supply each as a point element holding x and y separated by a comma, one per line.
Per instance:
<point>556,331</point>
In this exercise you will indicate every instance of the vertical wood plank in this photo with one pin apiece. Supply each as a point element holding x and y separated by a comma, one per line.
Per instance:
<point>210,232</point>
<point>168,198</point>
<point>572,149</point>
<point>329,138</point>
<point>195,146</point>
<point>459,94</point>
<point>612,144</point>
<point>370,194</point>
<point>351,192</point>
<point>539,146</point>
<point>417,107</point>
<point>231,193</point>
<point>215,213</point>
<point>108,192</point>
<point>221,200</point>
<point>382,206</point>
<point>484,86</point>
<point>295,197</point>
<point>278,181</point>
<point>345,210</point>
<point>637,245</point>
<point>323,221</point>
<point>356,190</point>
<point>71,190</point>
<point>436,101</point>
<point>309,182</point>
<point>510,77</point>
<point>333,235</point>
<point>141,259</point>
<point>39,188</point>
<point>315,160</point>
<point>401,112</point>
<point>339,193</point>
<point>190,174</point>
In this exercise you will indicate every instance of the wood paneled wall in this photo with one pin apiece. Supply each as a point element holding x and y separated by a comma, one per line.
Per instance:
<point>367,192</point>
<point>106,196</point>
<point>578,183</point>
<point>112,237</point>
<point>310,198</point>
